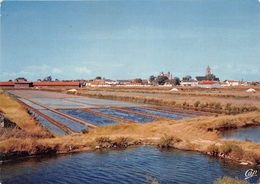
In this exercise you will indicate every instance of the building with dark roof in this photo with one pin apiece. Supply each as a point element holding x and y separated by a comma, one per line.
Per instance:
<point>200,78</point>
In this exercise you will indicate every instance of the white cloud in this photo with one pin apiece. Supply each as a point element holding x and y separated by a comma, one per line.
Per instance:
<point>8,75</point>
<point>24,73</point>
<point>97,65</point>
<point>83,70</point>
<point>139,33</point>
<point>56,71</point>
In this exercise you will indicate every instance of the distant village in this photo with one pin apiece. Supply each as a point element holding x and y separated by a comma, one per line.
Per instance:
<point>209,80</point>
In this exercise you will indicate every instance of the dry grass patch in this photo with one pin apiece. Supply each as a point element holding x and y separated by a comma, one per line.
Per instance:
<point>17,144</point>
<point>25,135</point>
<point>229,180</point>
<point>16,113</point>
<point>240,120</point>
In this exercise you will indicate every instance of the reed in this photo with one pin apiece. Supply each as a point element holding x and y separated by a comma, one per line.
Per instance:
<point>213,149</point>
<point>232,150</point>
<point>229,180</point>
<point>252,157</point>
<point>17,144</point>
<point>15,112</point>
<point>168,141</point>
<point>151,180</point>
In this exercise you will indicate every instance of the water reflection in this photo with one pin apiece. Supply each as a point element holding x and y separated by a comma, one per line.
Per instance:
<point>132,165</point>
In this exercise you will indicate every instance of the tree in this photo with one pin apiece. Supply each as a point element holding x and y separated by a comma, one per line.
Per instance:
<point>47,79</point>
<point>98,78</point>
<point>211,77</point>
<point>138,80</point>
<point>161,80</point>
<point>152,78</point>
<point>175,81</point>
<point>187,78</point>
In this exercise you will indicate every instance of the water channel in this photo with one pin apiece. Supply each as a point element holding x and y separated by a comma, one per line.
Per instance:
<point>246,134</point>
<point>132,165</point>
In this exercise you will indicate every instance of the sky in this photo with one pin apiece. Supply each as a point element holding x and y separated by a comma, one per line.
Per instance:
<point>118,39</point>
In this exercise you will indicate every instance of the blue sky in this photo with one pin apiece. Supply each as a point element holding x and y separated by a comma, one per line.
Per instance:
<point>130,39</point>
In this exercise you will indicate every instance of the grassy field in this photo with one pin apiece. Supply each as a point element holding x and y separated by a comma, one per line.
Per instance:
<point>199,133</point>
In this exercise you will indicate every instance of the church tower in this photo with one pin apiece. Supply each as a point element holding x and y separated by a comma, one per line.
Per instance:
<point>208,71</point>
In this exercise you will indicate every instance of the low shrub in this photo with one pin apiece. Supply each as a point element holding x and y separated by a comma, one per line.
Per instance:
<point>168,141</point>
<point>218,106</point>
<point>101,140</point>
<point>248,140</point>
<point>212,105</point>
<point>121,142</point>
<point>228,107</point>
<point>232,150</point>
<point>213,149</point>
<point>226,148</point>
<point>151,180</point>
<point>237,152</point>
<point>252,108</point>
<point>73,147</point>
<point>85,131</point>
<point>253,157</point>
<point>202,105</point>
<point>229,180</point>
<point>196,104</point>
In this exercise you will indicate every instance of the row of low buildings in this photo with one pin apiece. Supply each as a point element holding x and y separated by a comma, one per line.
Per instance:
<point>23,83</point>
<point>196,82</point>
<point>199,82</point>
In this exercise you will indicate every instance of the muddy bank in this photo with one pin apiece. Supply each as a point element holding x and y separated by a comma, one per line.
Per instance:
<point>231,126</point>
<point>46,150</point>
<point>106,143</point>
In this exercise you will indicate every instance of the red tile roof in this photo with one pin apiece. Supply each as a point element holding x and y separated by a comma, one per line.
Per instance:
<point>6,83</point>
<point>207,82</point>
<point>56,83</point>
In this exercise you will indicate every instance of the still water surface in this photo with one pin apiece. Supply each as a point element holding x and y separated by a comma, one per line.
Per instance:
<point>250,134</point>
<point>132,165</point>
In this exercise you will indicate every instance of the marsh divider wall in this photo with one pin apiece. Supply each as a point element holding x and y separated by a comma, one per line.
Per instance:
<point>139,113</point>
<point>65,115</point>
<point>63,127</point>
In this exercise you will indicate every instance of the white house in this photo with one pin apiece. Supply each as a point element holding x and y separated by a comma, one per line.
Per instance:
<point>189,83</point>
<point>209,84</point>
<point>233,83</point>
